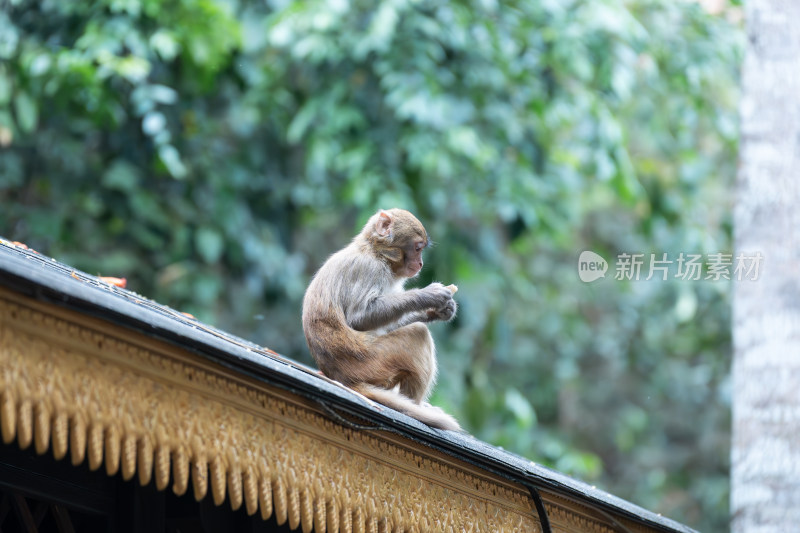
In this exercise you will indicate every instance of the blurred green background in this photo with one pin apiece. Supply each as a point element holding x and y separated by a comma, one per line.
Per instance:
<point>216,152</point>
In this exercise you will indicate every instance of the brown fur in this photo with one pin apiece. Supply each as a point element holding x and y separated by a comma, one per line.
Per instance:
<point>365,331</point>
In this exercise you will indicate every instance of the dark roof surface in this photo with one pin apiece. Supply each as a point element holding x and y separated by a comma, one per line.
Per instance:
<point>47,280</point>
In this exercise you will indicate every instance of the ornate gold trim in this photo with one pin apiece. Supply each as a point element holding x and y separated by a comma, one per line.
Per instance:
<point>568,515</point>
<point>97,392</point>
<point>112,397</point>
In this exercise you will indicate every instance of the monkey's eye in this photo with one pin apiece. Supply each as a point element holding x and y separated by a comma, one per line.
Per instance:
<point>419,246</point>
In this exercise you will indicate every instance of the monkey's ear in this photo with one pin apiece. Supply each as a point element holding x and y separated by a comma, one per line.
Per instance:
<point>383,224</point>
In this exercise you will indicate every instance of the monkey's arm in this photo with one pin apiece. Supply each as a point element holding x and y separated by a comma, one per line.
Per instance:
<point>386,309</point>
<point>410,318</point>
<point>403,308</point>
<point>444,314</point>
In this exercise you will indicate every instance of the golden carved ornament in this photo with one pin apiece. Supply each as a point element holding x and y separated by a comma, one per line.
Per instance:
<point>92,391</point>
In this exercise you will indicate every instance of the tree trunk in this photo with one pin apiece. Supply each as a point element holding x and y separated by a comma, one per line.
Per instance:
<point>765,469</point>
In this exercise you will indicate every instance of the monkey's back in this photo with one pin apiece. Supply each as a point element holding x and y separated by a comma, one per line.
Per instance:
<point>345,284</point>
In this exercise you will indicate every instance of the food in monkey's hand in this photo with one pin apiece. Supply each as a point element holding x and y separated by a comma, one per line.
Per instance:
<point>453,288</point>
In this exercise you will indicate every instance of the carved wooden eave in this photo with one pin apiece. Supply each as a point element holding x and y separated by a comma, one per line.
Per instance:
<point>95,374</point>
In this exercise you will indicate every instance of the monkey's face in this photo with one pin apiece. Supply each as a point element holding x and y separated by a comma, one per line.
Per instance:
<point>400,239</point>
<point>412,258</point>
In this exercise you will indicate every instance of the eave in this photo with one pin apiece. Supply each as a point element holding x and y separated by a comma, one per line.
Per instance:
<point>96,373</point>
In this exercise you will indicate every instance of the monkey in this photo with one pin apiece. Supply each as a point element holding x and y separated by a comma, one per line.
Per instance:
<point>368,333</point>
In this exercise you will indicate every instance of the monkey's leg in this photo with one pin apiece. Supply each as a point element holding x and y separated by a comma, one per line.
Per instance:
<point>411,352</point>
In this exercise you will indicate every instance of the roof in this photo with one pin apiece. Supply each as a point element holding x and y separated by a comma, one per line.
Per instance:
<point>46,280</point>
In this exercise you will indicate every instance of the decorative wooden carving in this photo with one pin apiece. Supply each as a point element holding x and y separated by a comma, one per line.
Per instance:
<point>92,391</point>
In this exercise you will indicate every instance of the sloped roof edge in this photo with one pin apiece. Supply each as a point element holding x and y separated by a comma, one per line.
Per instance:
<point>47,280</point>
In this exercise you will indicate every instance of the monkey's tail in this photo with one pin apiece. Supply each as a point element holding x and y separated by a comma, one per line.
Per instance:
<point>425,413</point>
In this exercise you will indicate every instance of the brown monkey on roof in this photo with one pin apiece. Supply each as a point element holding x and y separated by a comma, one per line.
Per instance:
<point>365,331</point>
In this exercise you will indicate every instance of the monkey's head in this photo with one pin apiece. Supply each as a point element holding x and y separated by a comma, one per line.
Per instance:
<point>398,238</point>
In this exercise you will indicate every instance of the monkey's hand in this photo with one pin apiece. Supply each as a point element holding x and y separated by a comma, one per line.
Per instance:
<point>436,296</point>
<point>445,313</point>
<point>446,310</point>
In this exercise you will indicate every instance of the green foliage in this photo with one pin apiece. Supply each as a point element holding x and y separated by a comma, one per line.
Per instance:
<point>215,152</point>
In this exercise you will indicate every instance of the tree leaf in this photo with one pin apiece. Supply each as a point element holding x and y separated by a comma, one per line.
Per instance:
<point>209,244</point>
<point>26,110</point>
